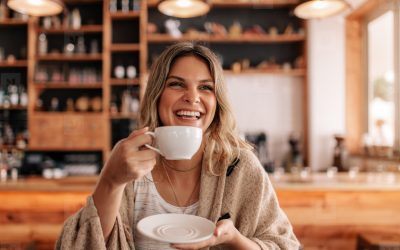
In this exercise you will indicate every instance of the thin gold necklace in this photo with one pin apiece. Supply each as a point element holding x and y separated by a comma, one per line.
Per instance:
<point>183,209</point>
<point>175,169</point>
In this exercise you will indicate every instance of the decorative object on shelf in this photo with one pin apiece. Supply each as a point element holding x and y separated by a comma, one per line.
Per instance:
<point>236,67</point>
<point>94,47</point>
<point>254,30</point>
<point>172,27</point>
<point>82,104</point>
<point>125,5</point>
<point>76,21</point>
<point>3,11</point>
<point>286,66</point>
<point>273,31</point>
<point>340,154</point>
<point>11,58</point>
<point>70,105</point>
<point>151,28</point>
<point>96,104</point>
<point>235,29</point>
<point>183,8</point>
<point>215,28</point>
<point>43,45</point>
<point>135,5</point>
<point>69,48</point>
<point>113,6</point>
<point>13,92</point>
<point>315,9</point>
<point>113,105</point>
<point>47,22</point>
<point>2,54</point>
<point>289,30</point>
<point>131,72</point>
<point>23,97</point>
<point>294,158</point>
<point>39,104</point>
<point>37,8</point>
<point>56,22</point>
<point>119,71</point>
<point>54,104</point>
<point>80,45</point>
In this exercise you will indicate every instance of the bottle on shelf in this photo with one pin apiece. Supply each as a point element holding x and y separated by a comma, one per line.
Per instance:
<point>113,6</point>
<point>43,44</point>
<point>125,5</point>
<point>76,21</point>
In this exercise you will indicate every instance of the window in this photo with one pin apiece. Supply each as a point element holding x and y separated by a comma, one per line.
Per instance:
<point>380,78</point>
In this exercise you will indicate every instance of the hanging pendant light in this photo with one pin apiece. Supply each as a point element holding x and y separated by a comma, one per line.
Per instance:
<point>314,9</point>
<point>183,8</point>
<point>37,7</point>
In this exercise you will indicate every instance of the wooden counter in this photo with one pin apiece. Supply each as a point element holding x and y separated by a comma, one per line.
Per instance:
<point>326,213</point>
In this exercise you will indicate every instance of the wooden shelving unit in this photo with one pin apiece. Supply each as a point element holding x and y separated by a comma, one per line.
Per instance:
<point>124,116</point>
<point>72,57</point>
<point>125,15</point>
<point>12,22</point>
<point>95,28</point>
<point>68,85</point>
<point>163,38</point>
<point>17,63</point>
<point>124,47</point>
<point>13,108</point>
<point>119,82</point>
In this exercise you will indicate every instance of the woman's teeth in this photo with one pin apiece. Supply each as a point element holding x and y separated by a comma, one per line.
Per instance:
<point>189,114</point>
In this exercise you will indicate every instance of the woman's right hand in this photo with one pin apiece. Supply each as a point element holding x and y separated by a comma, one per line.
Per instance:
<point>129,159</point>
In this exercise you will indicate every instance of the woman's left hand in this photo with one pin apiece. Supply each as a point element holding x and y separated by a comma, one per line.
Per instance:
<point>224,233</point>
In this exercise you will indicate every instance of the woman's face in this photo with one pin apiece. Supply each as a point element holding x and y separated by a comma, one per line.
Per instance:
<point>188,98</point>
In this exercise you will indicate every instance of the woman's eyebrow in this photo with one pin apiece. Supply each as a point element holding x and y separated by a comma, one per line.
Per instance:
<point>182,79</point>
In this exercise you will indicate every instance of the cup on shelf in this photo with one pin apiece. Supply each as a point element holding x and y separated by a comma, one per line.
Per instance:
<point>331,172</point>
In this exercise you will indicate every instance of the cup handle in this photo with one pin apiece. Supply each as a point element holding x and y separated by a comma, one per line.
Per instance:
<point>149,146</point>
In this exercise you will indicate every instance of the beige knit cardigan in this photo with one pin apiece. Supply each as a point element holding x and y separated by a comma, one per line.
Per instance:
<point>246,194</point>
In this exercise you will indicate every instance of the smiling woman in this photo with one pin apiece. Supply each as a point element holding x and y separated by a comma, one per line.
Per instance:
<point>223,182</point>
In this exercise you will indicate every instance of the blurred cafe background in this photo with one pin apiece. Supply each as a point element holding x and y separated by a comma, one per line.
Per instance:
<point>315,86</point>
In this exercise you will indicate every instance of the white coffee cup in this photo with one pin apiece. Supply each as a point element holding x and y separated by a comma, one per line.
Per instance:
<point>176,142</point>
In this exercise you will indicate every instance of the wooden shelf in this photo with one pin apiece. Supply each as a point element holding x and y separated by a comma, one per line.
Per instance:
<point>119,15</point>
<point>96,28</point>
<point>131,116</point>
<point>165,38</point>
<point>291,72</point>
<point>124,47</point>
<point>73,57</point>
<point>121,82</point>
<point>18,107</point>
<point>68,85</point>
<point>63,113</point>
<point>15,64</point>
<point>66,149</point>
<point>241,3</point>
<point>10,147</point>
<point>12,22</point>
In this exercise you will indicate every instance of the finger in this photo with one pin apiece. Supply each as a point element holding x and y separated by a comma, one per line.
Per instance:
<point>198,245</point>
<point>138,132</point>
<point>143,155</point>
<point>139,140</point>
<point>222,227</point>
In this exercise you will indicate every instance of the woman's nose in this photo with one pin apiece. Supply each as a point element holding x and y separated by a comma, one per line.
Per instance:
<point>192,96</point>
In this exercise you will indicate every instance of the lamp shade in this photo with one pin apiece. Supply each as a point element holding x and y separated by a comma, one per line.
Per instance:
<point>183,8</point>
<point>37,7</point>
<point>313,9</point>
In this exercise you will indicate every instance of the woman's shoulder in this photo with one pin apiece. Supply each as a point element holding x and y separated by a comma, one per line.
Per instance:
<point>249,166</point>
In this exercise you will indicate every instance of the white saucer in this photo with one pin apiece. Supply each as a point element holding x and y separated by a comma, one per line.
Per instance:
<point>176,228</point>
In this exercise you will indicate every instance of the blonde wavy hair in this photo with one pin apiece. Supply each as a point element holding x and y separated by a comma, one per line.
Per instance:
<point>222,142</point>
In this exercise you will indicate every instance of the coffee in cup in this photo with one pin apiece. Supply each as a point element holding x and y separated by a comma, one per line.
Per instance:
<point>176,142</point>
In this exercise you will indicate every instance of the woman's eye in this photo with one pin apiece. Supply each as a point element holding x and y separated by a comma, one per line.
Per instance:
<point>207,87</point>
<point>175,84</point>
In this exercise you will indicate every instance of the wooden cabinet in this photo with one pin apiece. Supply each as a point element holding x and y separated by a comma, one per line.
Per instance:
<point>121,39</point>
